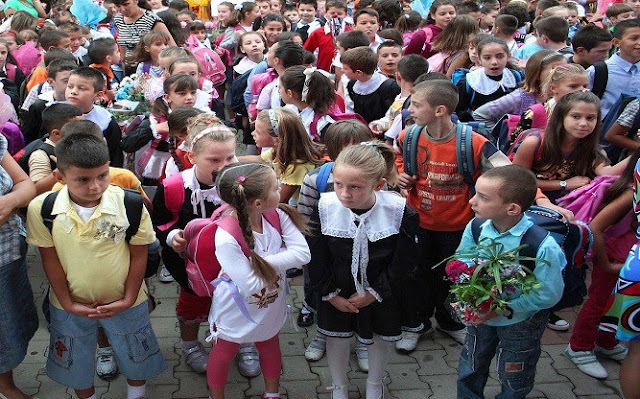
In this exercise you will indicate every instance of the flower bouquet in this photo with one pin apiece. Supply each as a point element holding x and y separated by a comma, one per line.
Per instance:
<point>485,277</point>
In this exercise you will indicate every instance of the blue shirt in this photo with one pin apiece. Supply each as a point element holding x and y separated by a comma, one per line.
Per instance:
<point>260,68</point>
<point>624,77</point>
<point>527,51</point>
<point>550,276</point>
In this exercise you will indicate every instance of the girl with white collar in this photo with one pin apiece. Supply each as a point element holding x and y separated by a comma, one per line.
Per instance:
<point>367,244</point>
<point>492,81</point>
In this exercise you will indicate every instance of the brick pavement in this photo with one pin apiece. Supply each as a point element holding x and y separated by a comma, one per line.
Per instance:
<point>429,372</point>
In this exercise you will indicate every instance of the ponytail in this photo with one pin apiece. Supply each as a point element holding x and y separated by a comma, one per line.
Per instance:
<point>239,11</point>
<point>408,22</point>
<point>313,87</point>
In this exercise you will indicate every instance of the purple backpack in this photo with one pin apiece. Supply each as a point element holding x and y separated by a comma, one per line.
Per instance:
<point>14,137</point>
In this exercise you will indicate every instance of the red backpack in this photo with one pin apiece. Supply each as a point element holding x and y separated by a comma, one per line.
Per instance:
<point>336,116</point>
<point>213,68</point>
<point>201,263</point>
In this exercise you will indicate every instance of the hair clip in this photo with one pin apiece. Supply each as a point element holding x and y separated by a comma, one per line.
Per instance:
<point>241,179</point>
<point>407,16</point>
<point>371,143</point>
<point>238,7</point>
<point>273,120</point>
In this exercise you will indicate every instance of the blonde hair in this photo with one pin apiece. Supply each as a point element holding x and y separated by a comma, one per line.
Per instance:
<point>206,128</point>
<point>374,159</point>
<point>559,73</point>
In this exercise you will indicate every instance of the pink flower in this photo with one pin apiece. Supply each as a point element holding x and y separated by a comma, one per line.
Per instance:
<point>209,25</point>
<point>485,307</point>
<point>455,268</point>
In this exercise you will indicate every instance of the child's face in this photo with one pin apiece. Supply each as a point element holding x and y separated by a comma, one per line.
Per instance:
<point>272,196</point>
<point>494,59</point>
<point>275,6</point>
<point>164,63</point>
<point>212,156</point>
<point>338,12</point>
<point>568,85</point>
<point>598,53</point>
<point>80,92</point>
<point>308,13</point>
<point>629,44</point>
<point>186,68</point>
<point>183,98</point>
<point>75,39</point>
<point>261,135</point>
<point>250,16</point>
<point>486,203</point>
<point>4,52</point>
<point>65,43</point>
<point>155,4</point>
<point>489,19</point>
<point>473,54</point>
<point>155,48</point>
<point>444,15</point>
<point>85,185</point>
<point>580,121</point>
<point>573,17</point>
<point>349,73</point>
<point>59,84</point>
<point>635,4</point>
<point>201,34</point>
<point>11,42</point>
<point>271,55</point>
<point>622,17</point>
<point>292,16</point>
<point>264,8</point>
<point>369,25</point>
<point>115,56</point>
<point>272,30</point>
<point>340,49</point>
<point>223,14</point>
<point>253,46</point>
<point>388,58</point>
<point>321,8</point>
<point>185,18</point>
<point>421,111</point>
<point>354,189</point>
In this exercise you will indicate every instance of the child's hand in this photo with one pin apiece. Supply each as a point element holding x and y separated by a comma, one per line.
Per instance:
<point>343,304</point>
<point>406,182</point>
<point>163,128</point>
<point>362,301</point>
<point>6,210</point>
<point>178,243</point>
<point>577,182</point>
<point>111,309</point>
<point>83,309</point>
<point>482,317</point>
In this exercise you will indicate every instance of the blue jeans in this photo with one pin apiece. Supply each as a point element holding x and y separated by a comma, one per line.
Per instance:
<point>518,348</point>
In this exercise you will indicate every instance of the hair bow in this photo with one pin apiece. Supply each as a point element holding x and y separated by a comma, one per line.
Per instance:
<point>273,120</point>
<point>308,72</point>
<point>238,7</point>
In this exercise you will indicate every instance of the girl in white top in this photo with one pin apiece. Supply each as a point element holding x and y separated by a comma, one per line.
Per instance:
<point>249,303</point>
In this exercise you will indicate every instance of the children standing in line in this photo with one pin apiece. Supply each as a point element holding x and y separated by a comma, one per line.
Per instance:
<point>358,276</point>
<point>259,311</point>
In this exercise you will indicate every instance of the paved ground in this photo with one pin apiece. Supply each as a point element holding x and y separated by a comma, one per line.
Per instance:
<point>429,372</point>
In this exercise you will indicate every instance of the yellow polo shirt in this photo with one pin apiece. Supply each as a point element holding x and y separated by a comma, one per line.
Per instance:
<point>94,256</point>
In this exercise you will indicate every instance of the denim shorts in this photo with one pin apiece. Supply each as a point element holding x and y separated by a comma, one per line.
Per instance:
<point>72,347</point>
<point>18,316</point>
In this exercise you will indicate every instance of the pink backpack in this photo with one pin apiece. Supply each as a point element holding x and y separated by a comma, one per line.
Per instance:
<point>438,61</point>
<point>201,263</point>
<point>212,66</point>
<point>337,116</point>
<point>585,202</point>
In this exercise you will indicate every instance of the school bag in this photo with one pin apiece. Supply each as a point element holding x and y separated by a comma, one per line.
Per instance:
<point>22,157</point>
<point>464,152</point>
<point>173,198</point>
<point>236,93</point>
<point>213,68</point>
<point>336,116</point>
<point>15,139</point>
<point>575,239</point>
<point>323,177</point>
<point>511,152</point>
<point>585,202</point>
<point>200,261</point>
<point>509,127</point>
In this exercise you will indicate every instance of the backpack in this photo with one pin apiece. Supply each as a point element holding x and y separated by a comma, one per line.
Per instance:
<point>437,62</point>
<point>201,263</point>
<point>23,156</point>
<point>336,116</point>
<point>511,152</point>
<point>509,127</point>
<point>213,68</point>
<point>464,152</point>
<point>585,202</point>
<point>458,74</point>
<point>15,139</point>
<point>575,239</point>
<point>600,78</point>
<point>173,198</point>
<point>323,176</point>
<point>11,71</point>
<point>614,152</point>
<point>236,93</point>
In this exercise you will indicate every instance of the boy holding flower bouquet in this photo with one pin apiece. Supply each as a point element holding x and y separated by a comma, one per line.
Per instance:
<point>511,321</point>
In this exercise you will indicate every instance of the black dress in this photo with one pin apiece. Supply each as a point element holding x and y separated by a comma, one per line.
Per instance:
<point>392,254</point>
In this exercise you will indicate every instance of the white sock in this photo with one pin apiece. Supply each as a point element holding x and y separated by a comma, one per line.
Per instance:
<point>136,392</point>
<point>271,395</point>
<point>338,358</point>
<point>378,356</point>
<point>186,345</point>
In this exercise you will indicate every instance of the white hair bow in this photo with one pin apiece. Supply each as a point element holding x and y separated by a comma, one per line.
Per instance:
<point>308,72</point>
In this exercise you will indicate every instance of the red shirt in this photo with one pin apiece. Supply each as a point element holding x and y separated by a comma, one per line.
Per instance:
<point>318,39</point>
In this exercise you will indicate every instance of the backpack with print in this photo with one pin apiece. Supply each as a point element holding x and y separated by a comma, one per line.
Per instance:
<point>213,68</point>
<point>201,263</point>
<point>509,128</point>
<point>511,152</point>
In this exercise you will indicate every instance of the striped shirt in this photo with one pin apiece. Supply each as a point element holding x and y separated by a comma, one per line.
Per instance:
<point>12,229</point>
<point>129,34</point>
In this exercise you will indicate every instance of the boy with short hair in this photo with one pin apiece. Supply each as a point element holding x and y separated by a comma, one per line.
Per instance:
<point>307,11</point>
<point>85,85</point>
<point>58,72</point>
<point>75,36</point>
<point>368,21</point>
<point>86,237</point>
<point>590,45</point>
<point>635,5</point>
<point>50,39</point>
<point>552,33</point>
<point>44,87</point>
<point>389,54</point>
<point>323,39</point>
<point>470,8</point>
<point>370,92</point>
<point>346,41</point>
<point>618,13</point>
<point>40,165</point>
<point>104,53</point>
<point>573,19</point>
<point>488,18</point>
<point>502,196</point>
<point>290,13</point>
<point>623,68</point>
<point>505,27</point>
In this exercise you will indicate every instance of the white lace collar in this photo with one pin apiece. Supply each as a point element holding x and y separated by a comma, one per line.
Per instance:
<point>99,116</point>
<point>483,84</point>
<point>371,85</point>
<point>199,196</point>
<point>381,221</point>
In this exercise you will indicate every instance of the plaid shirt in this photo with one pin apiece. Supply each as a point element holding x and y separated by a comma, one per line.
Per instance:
<point>11,231</point>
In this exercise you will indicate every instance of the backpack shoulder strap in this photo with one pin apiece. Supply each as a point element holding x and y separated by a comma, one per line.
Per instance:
<point>600,78</point>
<point>539,115</point>
<point>323,177</point>
<point>313,127</point>
<point>464,154</point>
<point>231,226</point>
<point>146,67</point>
<point>410,149</point>
<point>49,150</point>
<point>173,198</point>
<point>47,210</point>
<point>273,219</point>
<point>350,87</point>
<point>133,204</point>
<point>11,72</point>
<point>476,225</point>
<point>533,238</point>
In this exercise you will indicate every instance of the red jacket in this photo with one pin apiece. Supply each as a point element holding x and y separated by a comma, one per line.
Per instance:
<point>324,42</point>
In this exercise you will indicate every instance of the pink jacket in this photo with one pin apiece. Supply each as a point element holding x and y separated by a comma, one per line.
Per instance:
<point>258,82</point>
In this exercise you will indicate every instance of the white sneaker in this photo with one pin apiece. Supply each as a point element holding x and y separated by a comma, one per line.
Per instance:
<point>196,358</point>
<point>557,324</point>
<point>458,335</point>
<point>248,361</point>
<point>106,366</point>
<point>316,349</point>
<point>617,353</point>
<point>409,341</point>
<point>363,356</point>
<point>164,275</point>
<point>586,362</point>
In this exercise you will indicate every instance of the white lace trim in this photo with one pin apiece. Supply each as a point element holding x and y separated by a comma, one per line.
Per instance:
<point>331,295</point>
<point>199,196</point>
<point>371,85</point>
<point>375,294</point>
<point>483,84</point>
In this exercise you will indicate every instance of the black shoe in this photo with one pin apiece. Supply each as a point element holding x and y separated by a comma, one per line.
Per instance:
<point>294,272</point>
<point>305,319</point>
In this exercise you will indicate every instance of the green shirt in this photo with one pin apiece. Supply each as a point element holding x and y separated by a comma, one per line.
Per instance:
<point>20,6</point>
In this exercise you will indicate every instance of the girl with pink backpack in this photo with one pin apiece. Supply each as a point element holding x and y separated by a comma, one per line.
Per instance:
<point>441,13</point>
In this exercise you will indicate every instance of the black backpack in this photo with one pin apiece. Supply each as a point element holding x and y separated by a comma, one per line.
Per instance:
<point>236,93</point>
<point>33,146</point>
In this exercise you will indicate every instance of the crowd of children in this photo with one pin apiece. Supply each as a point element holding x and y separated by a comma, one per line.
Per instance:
<point>379,138</point>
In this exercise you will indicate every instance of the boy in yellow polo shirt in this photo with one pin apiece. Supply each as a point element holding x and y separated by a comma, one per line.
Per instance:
<point>95,274</point>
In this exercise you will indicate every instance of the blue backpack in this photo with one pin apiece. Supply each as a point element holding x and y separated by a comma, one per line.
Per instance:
<point>323,177</point>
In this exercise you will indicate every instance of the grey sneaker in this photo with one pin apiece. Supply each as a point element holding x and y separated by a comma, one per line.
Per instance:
<point>106,366</point>
<point>248,361</point>
<point>363,356</point>
<point>196,358</point>
<point>316,349</point>
<point>617,353</point>
<point>164,275</point>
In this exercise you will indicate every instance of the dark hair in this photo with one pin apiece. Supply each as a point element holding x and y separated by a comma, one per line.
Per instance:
<point>467,7</point>
<point>555,28</point>
<point>96,77</point>
<point>623,26</point>
<point>411,66</point>
<point>174,83</point>
<point>434,8</point>
<point>492,40</point>
<point>22,20</point>
<point>335,4</point>
<point>57,114</point>
<point>57,66</point>
<point>289,53</point>
<point>623,182</point>
<point>455,37</point>
<point>408,22</point>
<point>57,53</point>
<point>438,92</point>
<point>308,57</point>
<point>313,3</point>
<point>544,4</point>
<point>82,126</point>
<point>518,10</point>
<point>360,58</point>
<point>187,59</point>
<point>178,120</point>
<point>389,12</point>
<point>321,93</point>
<point>70,27</point>
<point>342,133</point>
<point>172,23</point>
<point>238,15</point>
<point>82,151</point>
<point>99,49</point>
<point>507,23</point>
<point>616,9</point>
<point>194,16</point>
<point>179,5</point>
<point>139,54</point>
<point>10,58</point>
<point>391,35</point>
<point>289,35</point>
<point>517,184</point>
<point>588,37</point>
<point>274,18</point>
<point>353,39</point>
<point>365,11</point>
<point>51,38</point>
